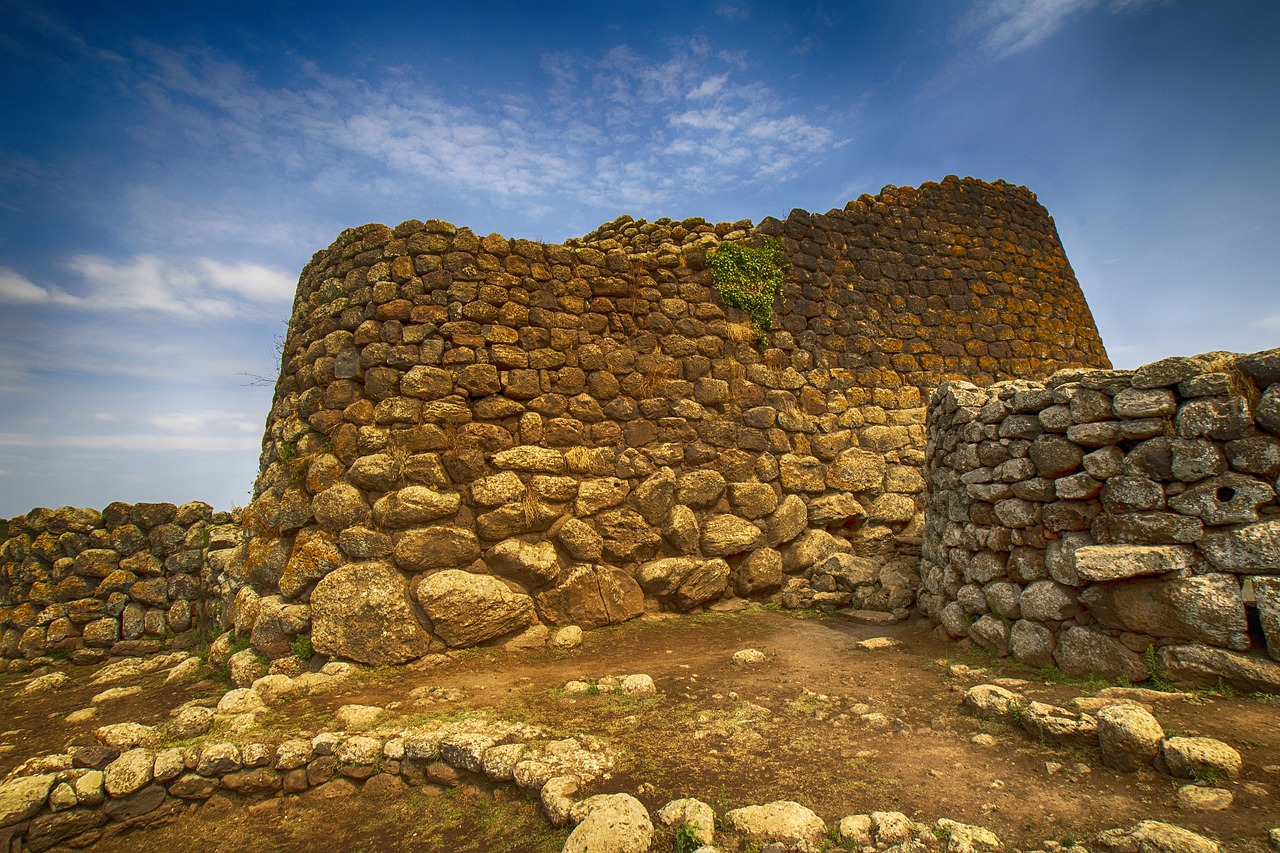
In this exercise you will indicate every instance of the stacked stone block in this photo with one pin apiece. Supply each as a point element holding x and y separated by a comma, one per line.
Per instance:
<point>84,584</point>
<point>1083,520</point>
<point>472,434</point>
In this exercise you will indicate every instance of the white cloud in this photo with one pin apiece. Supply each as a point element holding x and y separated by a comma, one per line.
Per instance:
<point>620,104</point>
<point>733,13</point>
<point>1012,26</point>
<point>195,288</point>
<point>144,283</point>
<point>710,86</point>
<point>207,420</point>
<point>190,288</point>
<point>15,288</point>
<point>807,44</point>
<point>146,442</point>
<point>1008,27</point>
<point>255,282</point>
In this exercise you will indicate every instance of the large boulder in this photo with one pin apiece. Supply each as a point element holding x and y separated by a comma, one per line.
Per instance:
<point>655,496</point>
<point>467,608</point>
<point>440,547</point>
<point>1204,608</point>
<point>616,823</point>
<point>362,612</point>
<point>1253,549</point>
<point>785,821</point>
<point>857,470</point>
<point>1031,643</point>
<point>129,773</point>
<point>530,564</point>
<point>339,506</point>
<point>760,572</point>
<point>1115,562</point>
<point>414,506</point>
<point>627,536</point>
<point>1151,836</point>
<point>706,582</point>
<point>1082,653</point>
<point>811,548</point>
<point>1194,663</point>
<point>1200,758</point>
<point>314,555</point>
<point>788,521</point>
<point>723,535</point>
<point>592,596</point>
<point>1048,601</point>
<point>22,797</point>
<point>1129,736</point>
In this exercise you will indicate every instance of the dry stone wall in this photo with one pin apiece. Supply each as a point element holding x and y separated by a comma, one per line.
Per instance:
<point>1103,514</point>
<point>474,435</point>
<point>84,584</point>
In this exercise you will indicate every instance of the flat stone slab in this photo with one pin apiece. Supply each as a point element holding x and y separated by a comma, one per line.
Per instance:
<point>1114,562</point>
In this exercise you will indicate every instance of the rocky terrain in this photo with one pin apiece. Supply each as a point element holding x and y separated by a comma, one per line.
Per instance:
<point>756,730</point>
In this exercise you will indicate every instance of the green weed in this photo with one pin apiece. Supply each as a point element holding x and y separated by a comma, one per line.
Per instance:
<point>1157,678</point>
<point>687,837</point>
<point>750,279</point>
<point>300,645</point>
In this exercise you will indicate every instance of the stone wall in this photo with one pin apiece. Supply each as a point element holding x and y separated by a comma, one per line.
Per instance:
<point>1086,519</point>
<point>84,584</point>
<point>474,435</point>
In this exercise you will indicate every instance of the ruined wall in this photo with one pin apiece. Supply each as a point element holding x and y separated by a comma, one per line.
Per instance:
<point>472,435</point>
<point>83,584</point>
<point>1083,520</point>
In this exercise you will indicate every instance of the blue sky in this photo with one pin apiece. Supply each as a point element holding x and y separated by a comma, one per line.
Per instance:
<point>167,169</point>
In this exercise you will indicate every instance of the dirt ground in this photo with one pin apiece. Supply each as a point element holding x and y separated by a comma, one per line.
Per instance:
<point>839,729</point>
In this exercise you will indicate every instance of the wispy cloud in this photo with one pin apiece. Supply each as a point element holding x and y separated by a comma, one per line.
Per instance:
<point>197,288</point>
<point>1008,27</point>
<point>693,121</point>
<point>732,12</point>
<point>206,421</point>
<point>151,442</point>
<point>616,105</point>
<point>233,424</point>
<point>17,289</point>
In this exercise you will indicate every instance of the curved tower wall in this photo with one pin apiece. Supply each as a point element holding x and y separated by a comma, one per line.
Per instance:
<point>475,435</point>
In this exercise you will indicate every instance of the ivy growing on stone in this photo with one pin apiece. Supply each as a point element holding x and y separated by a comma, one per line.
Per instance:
<point>750,279</point>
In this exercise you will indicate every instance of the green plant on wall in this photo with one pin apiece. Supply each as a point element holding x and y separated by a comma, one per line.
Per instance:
<point>749,279</point>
